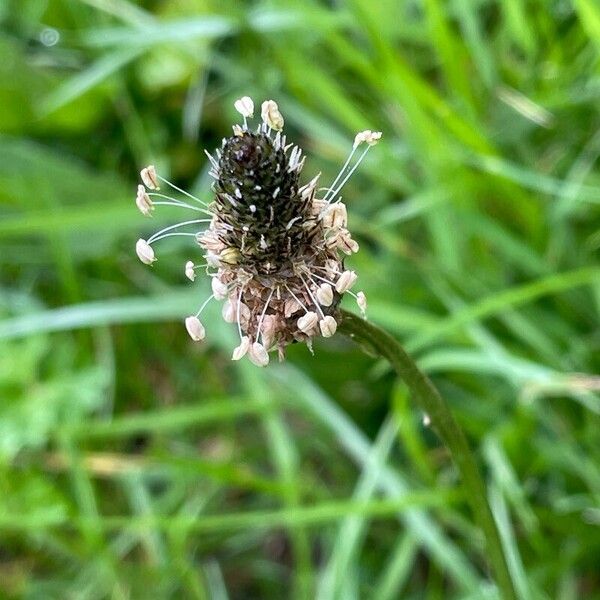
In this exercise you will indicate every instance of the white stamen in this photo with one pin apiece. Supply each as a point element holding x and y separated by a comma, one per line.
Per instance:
<point>271,116</point>
<point>154,236</point>
<point>258,355</point>
<point>262,316</point>
<point>361,300</point>
<point>145,252</point>
<point>325,294</point>
<point>195,328</point>
<point>350,173</point>
<point>328,326</point>
<point>307,322</point>
<point>346,281</point>
<point>219,288</point>
<point>244,106</point>
<point>182,191</point>
<point>189,270</point>
<point>143,201</point>
<point>240,351</point>
<point>149,177</point>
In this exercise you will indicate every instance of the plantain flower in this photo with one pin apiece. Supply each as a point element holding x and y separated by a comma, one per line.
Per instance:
<point>273,247</point>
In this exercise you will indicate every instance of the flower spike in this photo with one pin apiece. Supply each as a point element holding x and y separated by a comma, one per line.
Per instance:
<point>273,246</point>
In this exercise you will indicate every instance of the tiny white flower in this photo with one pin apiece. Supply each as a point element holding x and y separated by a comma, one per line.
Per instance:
<point>143,201</point>
<point>189,270</point>
<point>307,322</point>
<point>325,294</point>
<point>258,355</point>
<point>148,175</point>
<point>346,281</point>
<point>271,116</point>
<point>219,288</point>
<point>195,328</point>
<point>240,351</point>
<point>361,300</point>
<point>144,251</point>
<point>328,326</point>
<point>245,106</point>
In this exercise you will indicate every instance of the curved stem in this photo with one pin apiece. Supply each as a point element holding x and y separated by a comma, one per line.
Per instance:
<point>446,427</point>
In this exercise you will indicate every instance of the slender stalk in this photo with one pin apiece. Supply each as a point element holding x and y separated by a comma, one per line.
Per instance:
<point>446,427</point>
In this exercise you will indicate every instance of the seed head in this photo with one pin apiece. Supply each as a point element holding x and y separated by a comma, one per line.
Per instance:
<point>273,246</point>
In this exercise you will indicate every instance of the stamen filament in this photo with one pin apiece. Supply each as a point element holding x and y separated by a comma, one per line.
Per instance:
<point>341,171</point>
<point>176,202</point>
<point>154,236</point>
<point>296,298</point>
<point>162,237</point>
<point>262,316</point>
<point>356,164</point>
<point>182,191</point>
<point>312,297</point>
<point>204,304</point>
<point>239,311</point>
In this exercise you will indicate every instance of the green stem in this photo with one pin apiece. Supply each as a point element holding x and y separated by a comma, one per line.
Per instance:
<point>444,424</point>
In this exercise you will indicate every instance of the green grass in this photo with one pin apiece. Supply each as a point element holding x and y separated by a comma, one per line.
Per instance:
<point>134,464</point>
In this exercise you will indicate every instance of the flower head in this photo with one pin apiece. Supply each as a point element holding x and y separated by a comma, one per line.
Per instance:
<point>274,248</point>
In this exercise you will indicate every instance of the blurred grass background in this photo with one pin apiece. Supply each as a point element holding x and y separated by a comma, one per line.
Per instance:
<point>135,464</point>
